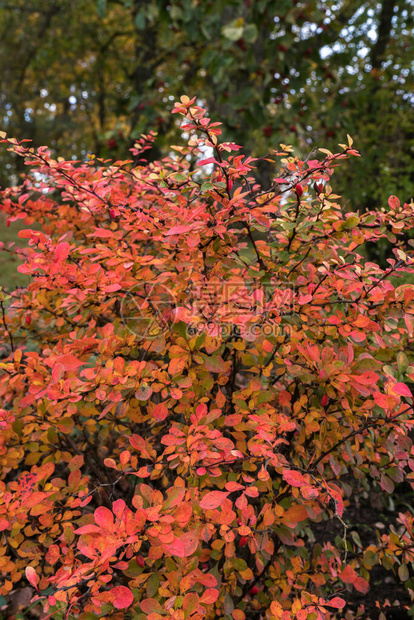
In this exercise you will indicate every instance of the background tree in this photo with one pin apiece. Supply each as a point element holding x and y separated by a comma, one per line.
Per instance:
<point>92,75</point>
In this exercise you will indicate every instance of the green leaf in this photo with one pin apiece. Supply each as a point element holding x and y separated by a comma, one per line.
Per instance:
<point>205,32</point>
<point>239,564</point>
<point>403,572</point>
<point>351,222</point>
<point>140,21</point>
<point>176,13</point>
<point>178,603</point>
<point>355,537</point>
<point>402,362</point>
<point>153,585</point>
<point>207,186</point>
<point>101,8</point>
<point>232,33</point>
<point>250,33</point>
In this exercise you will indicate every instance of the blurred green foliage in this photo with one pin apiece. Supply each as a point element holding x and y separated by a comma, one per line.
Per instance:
<point>90,76</point>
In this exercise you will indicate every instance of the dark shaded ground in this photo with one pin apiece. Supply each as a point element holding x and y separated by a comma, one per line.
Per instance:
<point>365,516</point>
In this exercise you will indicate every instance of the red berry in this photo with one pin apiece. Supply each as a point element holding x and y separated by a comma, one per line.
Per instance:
<point>299,190</point>
<point>28,319</point>
<point>112,144</point>
<point>112,213</point>
<point>140,561</point>
<point>254,590</point>
<point>267,131</point>
<point>325,400</point>
<point>243,541</point>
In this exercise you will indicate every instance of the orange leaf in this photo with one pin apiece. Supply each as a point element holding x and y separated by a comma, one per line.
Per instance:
<point>294,515</point>
<point>69,362</point>
<point>209,596</point>
<point>216,364</point>
<point>150,605</point>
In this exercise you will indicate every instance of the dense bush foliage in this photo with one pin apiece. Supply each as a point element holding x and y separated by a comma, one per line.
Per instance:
<point>201,373</point>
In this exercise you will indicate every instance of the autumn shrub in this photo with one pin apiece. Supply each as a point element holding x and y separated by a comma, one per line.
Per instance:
<point>202,375</point>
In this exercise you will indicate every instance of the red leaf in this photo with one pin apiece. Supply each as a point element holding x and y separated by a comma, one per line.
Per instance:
<point>294,478</point>
<point>190,541</point>
<point>88,529</point>
<point>367,378</point>
<point>383,401</point>
<point>401,389</point>
<point>175,548</point>
<point>393,202</point>
<point>234,486</point>
<point>336,602</point>
<point>62,251</point>
<point>305,299</point>
<point>4,524</point>
<point>348,575</point>
<point>212,500</point>
<point>69,362</point>
<point>361,585</point>
<point>111,288</point>
<point>160,412</point>
<point>104,518</point>
<point>122,597</point>
<point>31,576</point>
<point>179,230</point>
<point>209,160</point>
